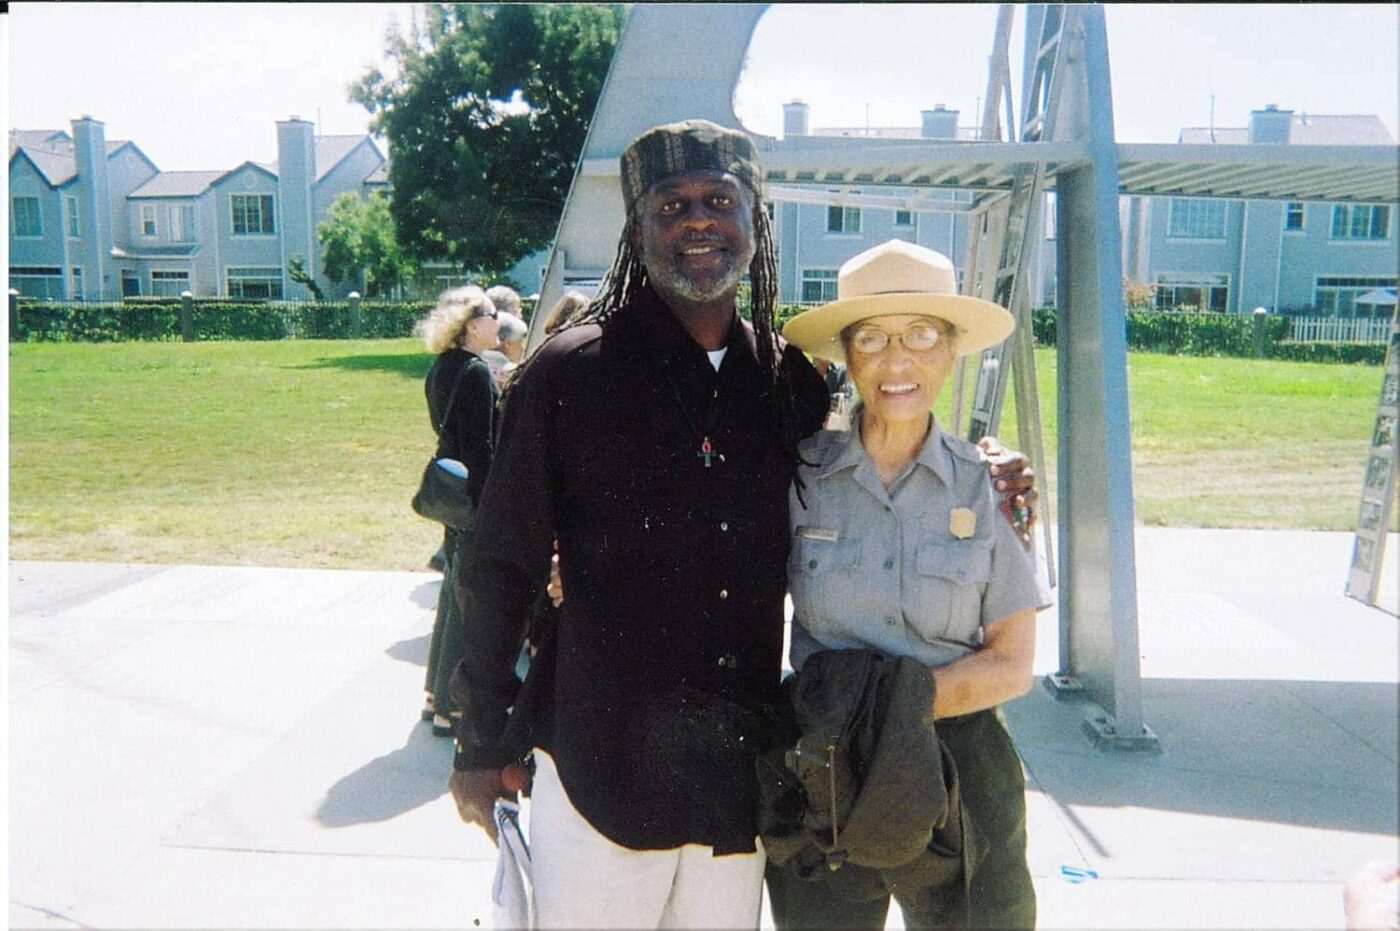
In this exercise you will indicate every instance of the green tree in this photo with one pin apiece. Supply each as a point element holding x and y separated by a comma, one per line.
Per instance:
<point>296,270</point>
<point>486,114</point>
<point>358,238</point>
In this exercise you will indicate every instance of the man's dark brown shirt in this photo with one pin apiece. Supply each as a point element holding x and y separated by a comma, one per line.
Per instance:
<point>671,630</point>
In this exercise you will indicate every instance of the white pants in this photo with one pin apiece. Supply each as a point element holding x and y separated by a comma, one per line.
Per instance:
<point>584,880</point>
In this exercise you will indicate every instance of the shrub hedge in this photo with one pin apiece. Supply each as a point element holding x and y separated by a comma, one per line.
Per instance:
<point>222,319</point>
<point>1209,334</point>
<point>213,319</point>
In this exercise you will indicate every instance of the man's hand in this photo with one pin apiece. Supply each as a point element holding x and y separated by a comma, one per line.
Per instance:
<point>1014,479</point>
<point>475,791</point>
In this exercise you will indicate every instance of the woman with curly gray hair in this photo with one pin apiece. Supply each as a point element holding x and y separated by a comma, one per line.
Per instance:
<point>462,407</point>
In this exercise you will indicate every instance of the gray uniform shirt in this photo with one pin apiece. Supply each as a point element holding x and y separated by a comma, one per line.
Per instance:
<point>917,571</point>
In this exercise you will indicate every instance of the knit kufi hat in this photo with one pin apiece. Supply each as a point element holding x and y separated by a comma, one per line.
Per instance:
<point>690,145</point>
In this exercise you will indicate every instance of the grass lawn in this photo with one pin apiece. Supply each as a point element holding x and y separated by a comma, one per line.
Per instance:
<point>305,453</point>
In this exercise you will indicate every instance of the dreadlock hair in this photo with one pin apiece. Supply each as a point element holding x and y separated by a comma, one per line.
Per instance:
<point>627,279</point>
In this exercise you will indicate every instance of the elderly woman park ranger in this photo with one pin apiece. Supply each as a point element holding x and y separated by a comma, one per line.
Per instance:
<point>898,547</point>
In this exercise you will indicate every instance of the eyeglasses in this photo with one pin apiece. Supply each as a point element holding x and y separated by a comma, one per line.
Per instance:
<point>919,337</point>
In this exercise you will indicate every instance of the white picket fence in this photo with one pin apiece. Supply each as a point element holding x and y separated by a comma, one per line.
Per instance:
<point>1339,330</point>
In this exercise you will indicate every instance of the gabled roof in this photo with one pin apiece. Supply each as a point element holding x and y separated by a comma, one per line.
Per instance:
<point>330,152</point>
<point>51,152</point>
<point>380,175</point>
<point>1306,129</point>
<point>259,166</point>
<point>55,168</point>
<point>177,184</point>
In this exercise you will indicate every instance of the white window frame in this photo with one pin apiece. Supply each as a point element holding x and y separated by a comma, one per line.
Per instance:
<point>38,218</point>
<point>51,275</point>
<point>131,274</point>
<point>254,273</point>
<point>1167,282</point>
<point>267,218</point>
<point>75,284</point>
<point>150,223</point>
<point>848,215</point>
<point>822,278</point>
<point>171,274</point>
<point>75,230</point>
<point>912,222</point>
<point>1350,222</point>
<point>1338,285</point>
<point>1188,204</point>
<point>1301,209</point>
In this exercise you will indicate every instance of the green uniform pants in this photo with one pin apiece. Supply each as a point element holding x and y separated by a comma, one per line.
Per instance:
<point>994,795</point>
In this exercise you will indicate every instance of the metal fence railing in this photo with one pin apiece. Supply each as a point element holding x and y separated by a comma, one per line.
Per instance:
<point>1339,330</point>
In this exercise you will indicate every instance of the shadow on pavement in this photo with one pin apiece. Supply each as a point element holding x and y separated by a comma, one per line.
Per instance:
<point>413,651</point>
<point>426,595</point>
<point>1314,754</point>
<point>387,786</point>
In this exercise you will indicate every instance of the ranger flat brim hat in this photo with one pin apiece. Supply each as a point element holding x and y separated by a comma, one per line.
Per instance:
<point>898,277</point>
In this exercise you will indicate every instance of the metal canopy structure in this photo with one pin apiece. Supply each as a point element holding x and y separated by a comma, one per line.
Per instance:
<point>653,79</point>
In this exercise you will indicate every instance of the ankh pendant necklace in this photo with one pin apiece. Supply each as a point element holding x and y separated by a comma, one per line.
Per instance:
<point>717,411</point>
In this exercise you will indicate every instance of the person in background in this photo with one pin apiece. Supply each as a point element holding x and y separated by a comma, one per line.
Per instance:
<point>505,299</point>
<point>564,310</point>
<point>461,398</point>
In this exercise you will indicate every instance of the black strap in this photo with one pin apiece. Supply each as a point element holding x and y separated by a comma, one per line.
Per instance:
<point>452,397</point>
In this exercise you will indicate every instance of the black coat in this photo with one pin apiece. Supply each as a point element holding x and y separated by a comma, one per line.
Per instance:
<point>859,790</point>
<point>466,431</point>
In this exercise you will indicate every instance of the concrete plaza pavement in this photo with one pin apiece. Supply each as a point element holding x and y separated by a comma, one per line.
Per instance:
<point>240,747</point>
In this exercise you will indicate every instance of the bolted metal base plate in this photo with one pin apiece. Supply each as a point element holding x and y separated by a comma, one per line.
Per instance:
<point>1103,733</point>
<point>1064,687</point>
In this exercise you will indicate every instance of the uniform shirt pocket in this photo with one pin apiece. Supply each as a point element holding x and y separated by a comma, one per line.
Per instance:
<point>951,577</point>
<point>823,578</point>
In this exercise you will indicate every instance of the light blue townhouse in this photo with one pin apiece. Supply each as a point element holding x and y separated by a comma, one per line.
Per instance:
<point>1234,256</point>
<point>1211,254</point>
<point>98,220</point>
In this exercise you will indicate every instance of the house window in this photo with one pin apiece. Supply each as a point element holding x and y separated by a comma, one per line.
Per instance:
<point>27,221</point>
<point>182,224</point>
<point>75,291</point>
<point>131,283</point>
<point>169,283</point>
<point>1360,222</point>
<point>842,219</point>
<point>904,218</point>
<point>72,204</point>
<point>1293,216</point>
<point>818,285</point>
<point>148,220</point>
<point>1187,291</point>
<point>1337,296</point>
<point>252,215</point>
<point>41,281</point>
<point>1196,218</point>
<point>255,282</point>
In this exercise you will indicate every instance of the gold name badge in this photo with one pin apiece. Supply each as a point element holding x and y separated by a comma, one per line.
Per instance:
<point>962,523</point>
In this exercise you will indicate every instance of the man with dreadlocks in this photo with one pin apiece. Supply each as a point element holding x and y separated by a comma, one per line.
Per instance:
<point>655,439</point>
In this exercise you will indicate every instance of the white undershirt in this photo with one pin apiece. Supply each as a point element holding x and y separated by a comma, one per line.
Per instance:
<point>716,356</point>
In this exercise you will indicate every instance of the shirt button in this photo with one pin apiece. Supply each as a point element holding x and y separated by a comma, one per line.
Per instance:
<point>890,621</point>
<point>723,594</point>
<point>812,564</point>
<point>889,563</point>
<point>962,573</point>
<point>729,660</point>
<point>723,525</point>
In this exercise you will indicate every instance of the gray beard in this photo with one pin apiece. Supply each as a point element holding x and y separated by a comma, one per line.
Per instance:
<point>696,292</point>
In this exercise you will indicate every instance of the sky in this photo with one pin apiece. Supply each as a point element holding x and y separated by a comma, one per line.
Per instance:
<point>199,86</point>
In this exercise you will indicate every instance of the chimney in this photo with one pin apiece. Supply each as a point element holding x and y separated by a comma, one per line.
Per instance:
<point>1270,125</point>
<point>795,114</point>
<point>94,195</point>
<point>939,123</point>
<point>296,174</point>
